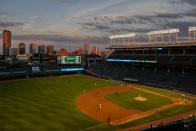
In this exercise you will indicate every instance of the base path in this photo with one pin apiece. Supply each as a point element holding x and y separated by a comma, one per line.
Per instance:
<point>150,112</point>
<point>142,114</point>
<point>94,104</point>
<point>159,122</point>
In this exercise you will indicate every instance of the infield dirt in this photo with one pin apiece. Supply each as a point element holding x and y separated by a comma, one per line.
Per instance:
<point>94,104</point>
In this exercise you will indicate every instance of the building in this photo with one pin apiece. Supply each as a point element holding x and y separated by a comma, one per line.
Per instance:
<point>80,51</point>
<point>103,53</point>
<point>94,50</point>
<point>6,42</point>
<point>50,49</point>
<point>41,49</point>
<point>32,48</point>
<point>21,48</point>
<point>62,52</point>
<point>86,48</point>
<point>13,51</point>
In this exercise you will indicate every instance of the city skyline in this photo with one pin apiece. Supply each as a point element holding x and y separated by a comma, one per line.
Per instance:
<point>59,21</point>
<point>33,48</point>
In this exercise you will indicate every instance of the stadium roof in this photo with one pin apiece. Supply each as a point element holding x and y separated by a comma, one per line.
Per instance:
<point>153,45</point>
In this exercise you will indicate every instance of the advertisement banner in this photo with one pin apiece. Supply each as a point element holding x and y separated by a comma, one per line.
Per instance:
<point>69,59</point>
<point>35,69</point>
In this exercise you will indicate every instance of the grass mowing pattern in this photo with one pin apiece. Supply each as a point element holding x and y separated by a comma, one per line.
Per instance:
<point>162,114</point>
<point>46,103</point>
<point>49,104</point>
<point>127,100</point>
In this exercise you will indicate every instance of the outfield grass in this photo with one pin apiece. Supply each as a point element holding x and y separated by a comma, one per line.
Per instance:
<point>45,104</point>
<point>127,100</point>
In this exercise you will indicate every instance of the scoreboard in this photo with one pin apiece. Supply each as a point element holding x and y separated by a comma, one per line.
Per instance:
<point>63,60</point>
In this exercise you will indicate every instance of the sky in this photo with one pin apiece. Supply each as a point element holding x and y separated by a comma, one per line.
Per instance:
<point>68,23</point>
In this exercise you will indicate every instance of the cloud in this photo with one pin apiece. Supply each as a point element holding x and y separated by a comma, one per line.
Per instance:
<point>191,2</point>
<point>102,17</point>
<point>120,24</point>
<point>97,7</point>
<point>169,15</point>
<point>30,22</point>
<point>5,24</point>
<point>183,25</point>
<point>58,38</point>
<point>22,26</point>
<point>65,1</point>
<point>141,23</point>
<point>191,13</point>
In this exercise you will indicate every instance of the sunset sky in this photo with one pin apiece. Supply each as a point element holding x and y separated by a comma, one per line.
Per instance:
<point>60,21</point>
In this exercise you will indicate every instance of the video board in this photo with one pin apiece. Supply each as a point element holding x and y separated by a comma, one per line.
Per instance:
<point>69,60</point>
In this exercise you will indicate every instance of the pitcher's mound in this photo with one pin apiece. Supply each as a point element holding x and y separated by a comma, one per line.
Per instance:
<point>140,98</point>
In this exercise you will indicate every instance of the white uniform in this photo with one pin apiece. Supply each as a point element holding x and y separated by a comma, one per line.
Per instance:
<point>99,106</point>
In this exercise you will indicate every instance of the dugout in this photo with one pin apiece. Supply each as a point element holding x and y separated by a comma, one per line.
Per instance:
<point>130,80</point>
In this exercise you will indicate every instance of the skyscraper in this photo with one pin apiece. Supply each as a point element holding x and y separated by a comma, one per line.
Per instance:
<point>50,49</point>
<point>41,49</point>
<point>13,51</point>
<point>6,42</point>
<point>32,48</point>
<point>86,48</point>
<point>94,50</point>
<point>21,48</point>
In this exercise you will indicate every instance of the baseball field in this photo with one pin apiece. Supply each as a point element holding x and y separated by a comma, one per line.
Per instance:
<point>80,102</point>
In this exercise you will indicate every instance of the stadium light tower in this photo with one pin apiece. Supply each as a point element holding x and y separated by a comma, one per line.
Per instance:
<point>125,38</point>
<point>192,33</point>
<point>153,35</point>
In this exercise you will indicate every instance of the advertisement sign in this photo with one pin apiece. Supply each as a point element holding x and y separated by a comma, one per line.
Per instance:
<point>192,29</point>
<point>35,69</point>
<point>131,61</point>
<point>170,31</point>
<point>123,36</point>
<point>69,59</point>
<point>174,31</point>
<point>71,69</point>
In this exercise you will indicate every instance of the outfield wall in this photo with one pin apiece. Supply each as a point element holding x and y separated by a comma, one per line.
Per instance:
<point>37,71</point>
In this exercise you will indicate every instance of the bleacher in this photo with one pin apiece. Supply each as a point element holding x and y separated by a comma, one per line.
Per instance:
<point>164,59</point>
<point>186,124</point>
<point>173,68</point>
<point>181,59</point>
<point>146,75</point>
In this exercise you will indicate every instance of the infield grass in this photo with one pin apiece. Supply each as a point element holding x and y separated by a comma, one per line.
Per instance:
<point>127,100</point>
<point>165,92</point>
